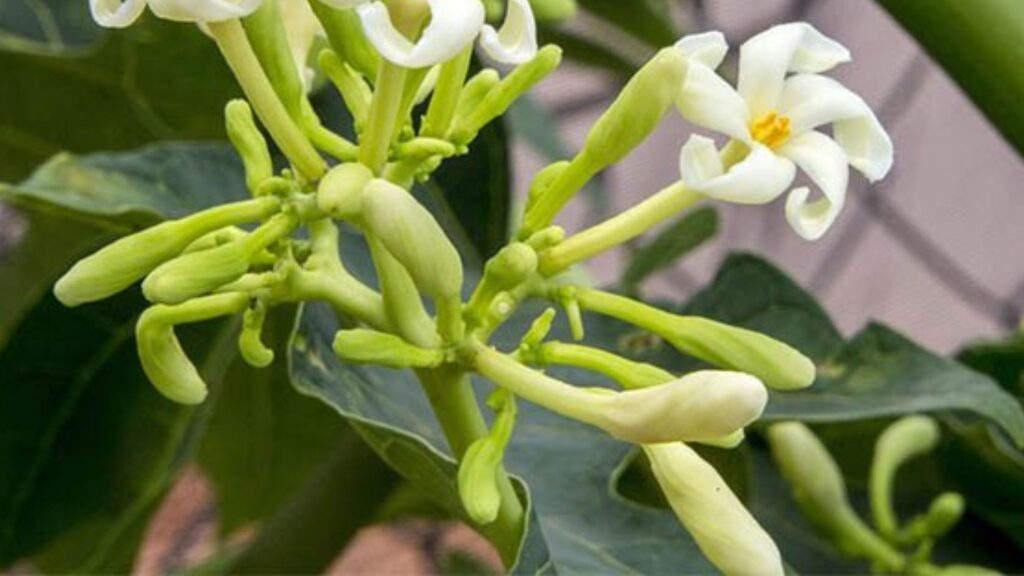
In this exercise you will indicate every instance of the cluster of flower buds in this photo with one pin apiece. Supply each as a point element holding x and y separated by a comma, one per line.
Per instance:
<point>384,59</point>
<point>820,491</point>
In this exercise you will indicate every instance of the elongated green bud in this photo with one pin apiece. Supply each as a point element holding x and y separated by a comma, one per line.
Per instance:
<point>726,532</point>
<point>199,273</point>
<point>353,89</point>
<point>249,142</point>
<point>627,373</point>
<point>499,99</point>
<point>777,364</point>
<point>266,32</point>
<point>553,10</point>
<point>943,513</point>
<point>160,353</point>
<point>341,191</point>
<point>371,347</point>
<point>539,330</point>
<point>481,464</point>
<point>475,90</point>
<point>345,32</point>
<point>628,121</point>
<point>543,180</point>
<point>129,259</point>
<point>903,440</point>
<point>215,239</point>
<point>414,238</point>
<point>250,342</point>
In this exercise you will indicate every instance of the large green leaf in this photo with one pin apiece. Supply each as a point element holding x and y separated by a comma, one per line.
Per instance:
<point>89,447</point>
<point>670,244</point>
<point>648,20</point>
<point>63,93</point>
<point>979,44</point>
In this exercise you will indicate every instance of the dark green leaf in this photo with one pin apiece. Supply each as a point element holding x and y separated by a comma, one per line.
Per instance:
<point>132,87</point>
<point>1002,360</point>
<point>670,245</point>
<point>978,43</point>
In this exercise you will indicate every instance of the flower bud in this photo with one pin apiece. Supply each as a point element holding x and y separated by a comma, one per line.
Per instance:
<point>475,90</point>
<point>161,355</point>
<point>512,265</point>
<point>249,142</point>
<point>353,89</point>
<point>481,464</point>
<point>371,347</point>
<point>414,238</point>
<point>697,407</point>
<point>944,512</point>
<point>628,121</point>
<point>725,531</point>
<point>901,441</point>
<point>818,485</point>
<point>124,262</point>
<point>341,191</point>
<point>250,343</point>
<point>196,273</point>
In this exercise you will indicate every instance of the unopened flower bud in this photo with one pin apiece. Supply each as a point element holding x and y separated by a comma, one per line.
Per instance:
<point>249,142</point>
<point>726,532</point>
<point>512,265</point>
<point>412,235</point>
<point>627,122</point>
<point>371,347</point>
<point>250,343</point>
<point>124,262</point>
<point>481,465</point>
<point>475,90</point>
<point>944,512</point>
<point>341,191</point>
<point>161,355</point>
<point>903,440</point>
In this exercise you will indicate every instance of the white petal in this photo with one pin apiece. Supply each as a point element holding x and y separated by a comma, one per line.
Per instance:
<point>303,28</point>
<point>810,101</point>
<point>115,13</point>
<point>203,10</point>
<point>343,4</point>
<point>710,102</point>
<point>766,58</point>
<point>825,163</point>
<point>453,25</point>
<point>726,532</point>
<point>516,42</point>
<point>707,48</point>
<point>758,179</point>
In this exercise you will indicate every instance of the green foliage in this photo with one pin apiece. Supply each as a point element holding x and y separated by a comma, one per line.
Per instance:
<point>665,249</point>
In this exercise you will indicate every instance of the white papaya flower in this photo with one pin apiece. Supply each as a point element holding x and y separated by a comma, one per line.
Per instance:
<point>773,116</point>
<point>453,25</point>
<point>724,530</point>
<point>123,13</point>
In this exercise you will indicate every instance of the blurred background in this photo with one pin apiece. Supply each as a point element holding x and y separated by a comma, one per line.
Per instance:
<point>930,250</point>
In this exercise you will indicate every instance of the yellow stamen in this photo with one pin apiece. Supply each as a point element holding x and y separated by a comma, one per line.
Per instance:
<point>771,129</point>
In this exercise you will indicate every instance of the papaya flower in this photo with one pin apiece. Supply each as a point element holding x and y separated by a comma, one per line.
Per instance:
<point>454,24</point>
<point>123,13</point>
<point>773,117</point>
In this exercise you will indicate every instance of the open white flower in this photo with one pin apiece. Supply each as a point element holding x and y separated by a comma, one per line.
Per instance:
<point>725,531</point>
<point>453,25</point>
<point>123,13</point>
<point>772,118</point>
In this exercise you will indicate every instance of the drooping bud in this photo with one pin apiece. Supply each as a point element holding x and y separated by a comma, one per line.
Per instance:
<point>250,343</point>
<point>777,364</point>
<point>628,121</point>
<point>249,143</point>
<point>726,532</point>
<point>126,261</point>
<point>160,353</point>
<point>482,462</point>
<point>412,235</point>
<point>371,347</point>
<point>341,191</point>
<point>901,441</point>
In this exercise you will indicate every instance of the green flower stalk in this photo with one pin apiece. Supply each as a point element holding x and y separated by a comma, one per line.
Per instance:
<point>907,438</point>
<point>250,144</point>
<point>371,347</point>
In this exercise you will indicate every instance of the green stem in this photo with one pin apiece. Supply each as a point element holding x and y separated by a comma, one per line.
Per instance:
<point>383,117</point>
<point>859,537</point>
<point>627,373</point>
<point>454,402</point>
<point>234,45</point>
<point>618,230</point>
<point>446,95</point>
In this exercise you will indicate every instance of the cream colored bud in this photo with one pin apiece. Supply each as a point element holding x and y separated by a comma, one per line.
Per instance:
<point>725,531</point>
<point>196,273</point>
<point>341,191</point>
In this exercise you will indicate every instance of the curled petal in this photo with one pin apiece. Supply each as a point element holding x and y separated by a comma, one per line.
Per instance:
<point>810,100</point>
<point>516,42</point>
<point>115,13</point>
<point>726,532</point>
<point>203,10</point>
<point>825,163</point>
<point>453,25</point>
<point>707,48</point>
<point>710,102</point>
<point>766,58</point>
<point>758,179</point>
